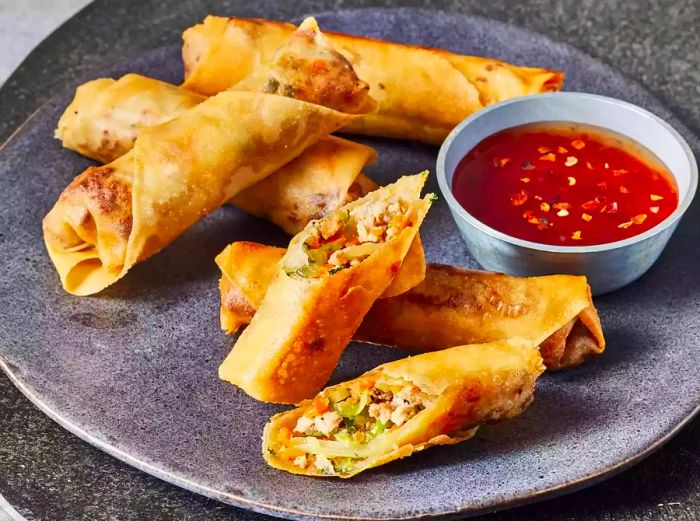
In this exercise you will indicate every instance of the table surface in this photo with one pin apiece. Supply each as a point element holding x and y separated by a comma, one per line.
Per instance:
<point>48,474</point>
<point>22,29</point>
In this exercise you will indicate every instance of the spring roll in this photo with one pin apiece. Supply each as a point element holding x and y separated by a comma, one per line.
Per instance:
<point>114,216</point>
<point>452,306</point>
<point>442,89</point>
<point>325,177</point>
<point>327,280</point>
<point>106,115</point>
<point>403,407</point>
<point>322,179</point>
<point>104,118</point>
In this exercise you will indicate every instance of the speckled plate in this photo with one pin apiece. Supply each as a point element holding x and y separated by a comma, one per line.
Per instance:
<point>133,370</point>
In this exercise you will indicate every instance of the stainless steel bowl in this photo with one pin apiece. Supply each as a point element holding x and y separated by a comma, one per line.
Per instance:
<point>607,266</point>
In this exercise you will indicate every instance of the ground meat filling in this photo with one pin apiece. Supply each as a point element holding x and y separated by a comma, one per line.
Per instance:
<point>337,429</point>
<point>346,237</point>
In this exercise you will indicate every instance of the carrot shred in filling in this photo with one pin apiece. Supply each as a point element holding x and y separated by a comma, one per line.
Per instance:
<point>345,238</point>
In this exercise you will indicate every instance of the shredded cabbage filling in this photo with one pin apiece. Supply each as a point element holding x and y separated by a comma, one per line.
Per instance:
<point>345,424</point>
<point>346,237</point>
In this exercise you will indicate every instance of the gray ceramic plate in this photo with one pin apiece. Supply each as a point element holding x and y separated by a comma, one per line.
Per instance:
<point>133,370</point>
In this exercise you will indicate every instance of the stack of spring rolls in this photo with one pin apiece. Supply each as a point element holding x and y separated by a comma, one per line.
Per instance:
<point>251,126</point>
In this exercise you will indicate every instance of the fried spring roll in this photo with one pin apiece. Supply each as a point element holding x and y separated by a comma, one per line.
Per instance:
<point>403,407</point>
<point>442,89</point>
<point>452,306</point>
<point>324,178</point>
<point>327,280</point>
<point>104,118</point>
<point>112,217</point>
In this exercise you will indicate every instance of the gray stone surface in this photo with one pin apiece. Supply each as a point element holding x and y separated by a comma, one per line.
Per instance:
<point>99,488</point>
<point>25,23</point>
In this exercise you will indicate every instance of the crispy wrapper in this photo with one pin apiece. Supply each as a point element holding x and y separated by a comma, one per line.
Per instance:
<point>442,90</point>
<point>452,306</point>
<point>322,179</point>
<point>325,177</point>
<point>304,322</point>
<point>105,117</point>
<point>114,216</point>
<point>469,385</point>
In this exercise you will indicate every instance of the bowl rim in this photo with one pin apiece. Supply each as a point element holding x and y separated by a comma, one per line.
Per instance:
<point>457,208</point>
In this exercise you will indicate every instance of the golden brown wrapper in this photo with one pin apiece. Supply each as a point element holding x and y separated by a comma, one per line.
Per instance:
<point>104,118</point>
<point>112,217</point>
<point>452,306</point>
<point>302,325</point>
<point>474,384</point>
<point>441,90</point>
<point>106,115</point>
<point>326,176</point>
<point>247,269</point>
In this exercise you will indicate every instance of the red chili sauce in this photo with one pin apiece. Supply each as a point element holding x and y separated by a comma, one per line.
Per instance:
<point>565,184</point>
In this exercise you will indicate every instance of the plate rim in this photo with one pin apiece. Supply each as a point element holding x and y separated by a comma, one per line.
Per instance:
<point>241,502</point>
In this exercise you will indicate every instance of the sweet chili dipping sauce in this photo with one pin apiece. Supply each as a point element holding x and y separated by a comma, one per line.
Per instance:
<point>565,184</point>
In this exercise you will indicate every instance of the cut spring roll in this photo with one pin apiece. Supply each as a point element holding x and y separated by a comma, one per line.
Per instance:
<point>452,306</point>
<point>112,217</point>
<point>403,407</point>
<point>441,90</point>
<point>327,280</point>
<point>325,177</point>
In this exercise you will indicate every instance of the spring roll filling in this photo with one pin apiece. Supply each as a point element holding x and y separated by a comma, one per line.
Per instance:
<point>345,238</point>
<point>345,424</point>
<point>321,76</point>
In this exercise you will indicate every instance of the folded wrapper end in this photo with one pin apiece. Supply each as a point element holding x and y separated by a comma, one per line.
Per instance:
<point>82,272</point>
<point>106,116</point>
<point>69,127</point>
<point>117,215</point>
<point>577,341</point>
<point>554,81</point>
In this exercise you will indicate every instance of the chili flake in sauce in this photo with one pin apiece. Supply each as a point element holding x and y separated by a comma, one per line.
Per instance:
<point>565,184</point>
